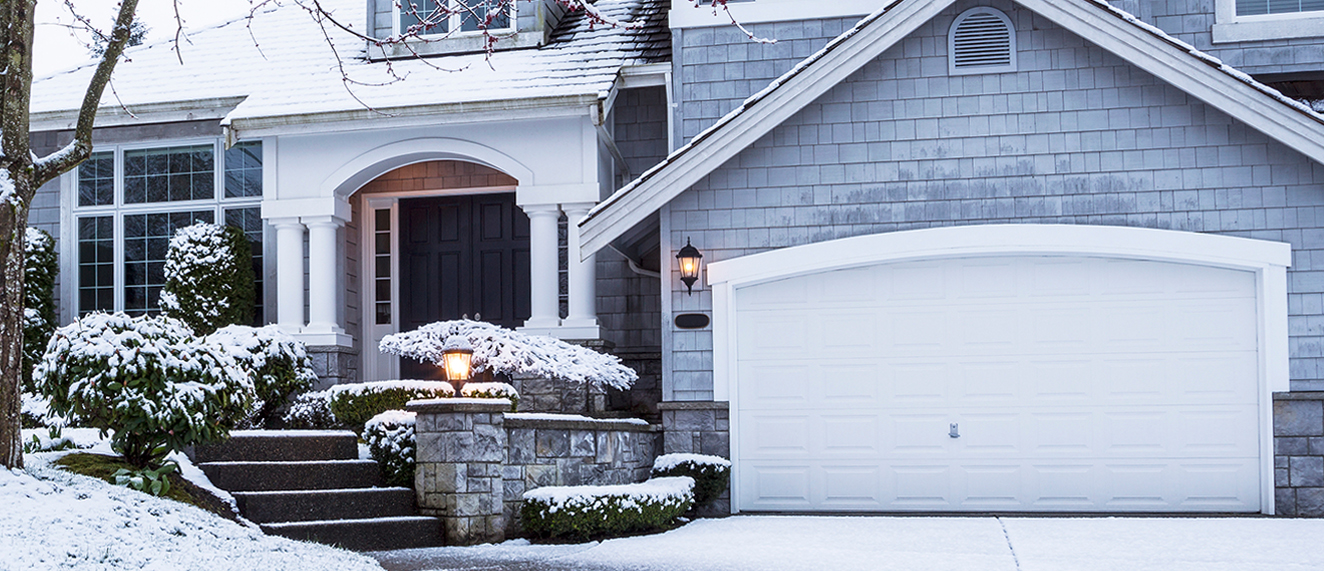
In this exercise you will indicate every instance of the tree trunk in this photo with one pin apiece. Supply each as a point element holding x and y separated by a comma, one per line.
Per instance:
<point>11,335</point>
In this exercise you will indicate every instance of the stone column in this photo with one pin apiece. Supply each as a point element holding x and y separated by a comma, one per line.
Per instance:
<point>461,448</point>
<point>289,273</point>
<point>322,280</point>
<point>543,281</point>
<point>583,317</point>
<point>699,427</point>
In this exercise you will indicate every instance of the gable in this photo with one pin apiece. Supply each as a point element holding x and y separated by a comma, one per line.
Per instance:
<point>1113,33</point>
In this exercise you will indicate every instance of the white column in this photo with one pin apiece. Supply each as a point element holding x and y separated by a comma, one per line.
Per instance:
<point>322,279</point>
<point>583,317</point>
<point>543,282</point>
<point>289,273</point>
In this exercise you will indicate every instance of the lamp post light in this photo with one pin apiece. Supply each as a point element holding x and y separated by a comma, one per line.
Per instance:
<point>457,360</point>
<point>689,258</point>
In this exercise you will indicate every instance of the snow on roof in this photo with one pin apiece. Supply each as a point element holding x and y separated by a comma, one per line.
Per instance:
<point>285,66</point>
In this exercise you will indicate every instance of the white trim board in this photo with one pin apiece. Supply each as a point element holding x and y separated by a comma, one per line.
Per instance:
<point>1267,260</point>
<point>1094,20</point>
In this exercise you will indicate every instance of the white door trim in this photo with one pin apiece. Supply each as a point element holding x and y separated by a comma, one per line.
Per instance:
<point>1267,260</point>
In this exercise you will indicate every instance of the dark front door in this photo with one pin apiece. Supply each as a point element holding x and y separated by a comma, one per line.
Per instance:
<point>462,255</point>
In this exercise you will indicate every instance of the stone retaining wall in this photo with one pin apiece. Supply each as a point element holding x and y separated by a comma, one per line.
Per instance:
<point>1298,461</point>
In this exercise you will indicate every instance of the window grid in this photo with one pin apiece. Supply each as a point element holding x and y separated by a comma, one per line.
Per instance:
<point>466,17</point>
<point>96,180</point>
<point>1266,7</point>
<point>96,264</point>
<point>146,240</point>
<point>170,174</point>
<point>249,219</point>
<point>382,263</point>
<point>243,170</point>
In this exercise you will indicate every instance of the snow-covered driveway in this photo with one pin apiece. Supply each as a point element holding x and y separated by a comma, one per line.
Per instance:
<point>758,543</point>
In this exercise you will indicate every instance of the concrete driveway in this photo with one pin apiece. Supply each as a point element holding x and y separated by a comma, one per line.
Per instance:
<point>758,543</point>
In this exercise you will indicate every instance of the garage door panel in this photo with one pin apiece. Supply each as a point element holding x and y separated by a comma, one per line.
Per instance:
<point>1076,384</point>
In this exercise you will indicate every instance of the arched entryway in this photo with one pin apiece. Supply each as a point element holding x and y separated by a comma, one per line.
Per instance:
<point>439,240</point>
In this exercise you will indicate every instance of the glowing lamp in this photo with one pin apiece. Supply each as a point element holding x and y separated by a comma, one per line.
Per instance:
<point>689,258</point>
<point>457,360</point>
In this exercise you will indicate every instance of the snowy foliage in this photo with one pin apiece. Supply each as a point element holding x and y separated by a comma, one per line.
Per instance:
<point>311,410</point>
<point>501,350</point>
<point>147,379</point>
<point>491,391</point>
<point>209,277</point>
<point>390,438</point>
<point>583,512</point>
<point>712,474</point>
<point>40,264</point>
<point>35,412</point>
<point>55,519</point>
<point>277,362</point>
<point>353,404</point>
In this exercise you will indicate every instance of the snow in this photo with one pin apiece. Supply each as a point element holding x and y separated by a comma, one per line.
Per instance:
<point>674,488</point>
<point>58,520</point>
<point>803,543</point>
<point>237,59</point>
<point>489,390</point>
<point>669,461</point>
<point>572,418</point>
<point>8,194</point>
<point>501,350</point>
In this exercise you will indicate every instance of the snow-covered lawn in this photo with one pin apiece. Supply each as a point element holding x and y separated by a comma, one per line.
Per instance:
<point>930,543</point>
<point>52,519</point>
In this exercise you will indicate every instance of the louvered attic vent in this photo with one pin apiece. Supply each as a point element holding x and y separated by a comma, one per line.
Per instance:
<point>982,40</point>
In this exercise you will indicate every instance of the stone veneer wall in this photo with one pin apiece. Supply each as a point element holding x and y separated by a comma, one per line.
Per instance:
<point>699,427</point>
<point>334,365</point>
<point>541,451</point>
<point>1298,461</point>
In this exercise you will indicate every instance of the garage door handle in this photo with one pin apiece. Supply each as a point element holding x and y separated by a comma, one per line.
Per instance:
<point>955,431</point>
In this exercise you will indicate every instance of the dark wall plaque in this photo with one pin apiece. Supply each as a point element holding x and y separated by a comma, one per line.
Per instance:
<point>692,321</point>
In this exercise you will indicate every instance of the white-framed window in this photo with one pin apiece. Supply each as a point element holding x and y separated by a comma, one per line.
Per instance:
<point>130,199</point>
<point>442,17</point>
<point>981,40</point>
<point>1260,20</point>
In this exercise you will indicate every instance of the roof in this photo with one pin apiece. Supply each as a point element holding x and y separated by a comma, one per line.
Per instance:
<point>1145,46</point>
<point>283,65</point>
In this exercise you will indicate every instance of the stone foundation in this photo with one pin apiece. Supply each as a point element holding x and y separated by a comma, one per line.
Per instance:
<point>334,365</point>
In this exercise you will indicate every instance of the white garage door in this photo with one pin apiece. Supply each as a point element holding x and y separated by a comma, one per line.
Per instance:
<point>1023,383</point>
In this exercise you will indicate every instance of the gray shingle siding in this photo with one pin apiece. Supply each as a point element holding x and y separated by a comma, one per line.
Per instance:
<point>1076,136</point>
<point>1192,21</point>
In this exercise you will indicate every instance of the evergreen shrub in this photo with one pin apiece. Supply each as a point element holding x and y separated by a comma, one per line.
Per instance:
<point>209,277</point>
<point>277,362</point>
<point>390,438</point>
<point>712,474</point>
<point>40,265</point>
<point>353,404</point>
<point>580,513</point>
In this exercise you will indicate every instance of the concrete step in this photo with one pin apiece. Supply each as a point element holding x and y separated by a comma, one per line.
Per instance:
<point>292,506</point>
<point>372,534</point>
<point>310,475</point>
<point>281,446</point>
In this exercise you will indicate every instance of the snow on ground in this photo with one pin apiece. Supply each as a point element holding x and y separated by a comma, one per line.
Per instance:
<point>762,543</point>
<point>54,519</point>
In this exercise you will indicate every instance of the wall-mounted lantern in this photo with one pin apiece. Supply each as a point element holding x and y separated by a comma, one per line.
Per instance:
<point>457,360</point>
<point>689,258</point>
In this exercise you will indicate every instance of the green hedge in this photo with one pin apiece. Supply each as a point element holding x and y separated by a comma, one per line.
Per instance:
<point>712,474</point>
<point>390,439</point>
<point>581,513</point>
<point>354,404</point>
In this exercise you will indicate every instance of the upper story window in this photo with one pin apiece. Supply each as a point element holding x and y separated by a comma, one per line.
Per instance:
<point>981,40</point>
<point>131,199</point>
<point>441,17</point>
<point>1261,7</point>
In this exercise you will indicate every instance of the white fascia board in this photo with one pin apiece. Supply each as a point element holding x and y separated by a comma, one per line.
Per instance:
<point>747,125</point>
<point>416,116</point>
<point>647,75</point>
<point>1094,21</point>
<point>684,14</point>
<point>141,114</point>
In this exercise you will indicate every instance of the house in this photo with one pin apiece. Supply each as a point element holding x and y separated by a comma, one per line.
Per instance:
<point>958,255</point>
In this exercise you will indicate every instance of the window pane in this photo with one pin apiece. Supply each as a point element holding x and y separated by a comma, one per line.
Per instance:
<point>250,221</point>
<point>96,180</point>
<point>170,174</point>
<point>476,17</point>
<point>432,18</point>
<point>96,263</point>
<point>243,170</point>
<point>146,240</point>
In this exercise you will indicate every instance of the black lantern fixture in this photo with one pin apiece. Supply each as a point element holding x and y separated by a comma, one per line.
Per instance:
<point>689,257</point>
<point>457,360</point>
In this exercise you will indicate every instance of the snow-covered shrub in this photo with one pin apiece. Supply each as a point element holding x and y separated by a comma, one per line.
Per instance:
<point>390,438</point>
<point>35,412</point>
<point>278,363</point>
<point>712,474</point>
<point>209,277</point>
<point>500,350</point>
<point>311,410</point>
<point>40,264</point>
<point>147,379</point>
<point>491,391</point>
<point>586,512</point>
<point>53,440</point>
<point>354,404</point>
